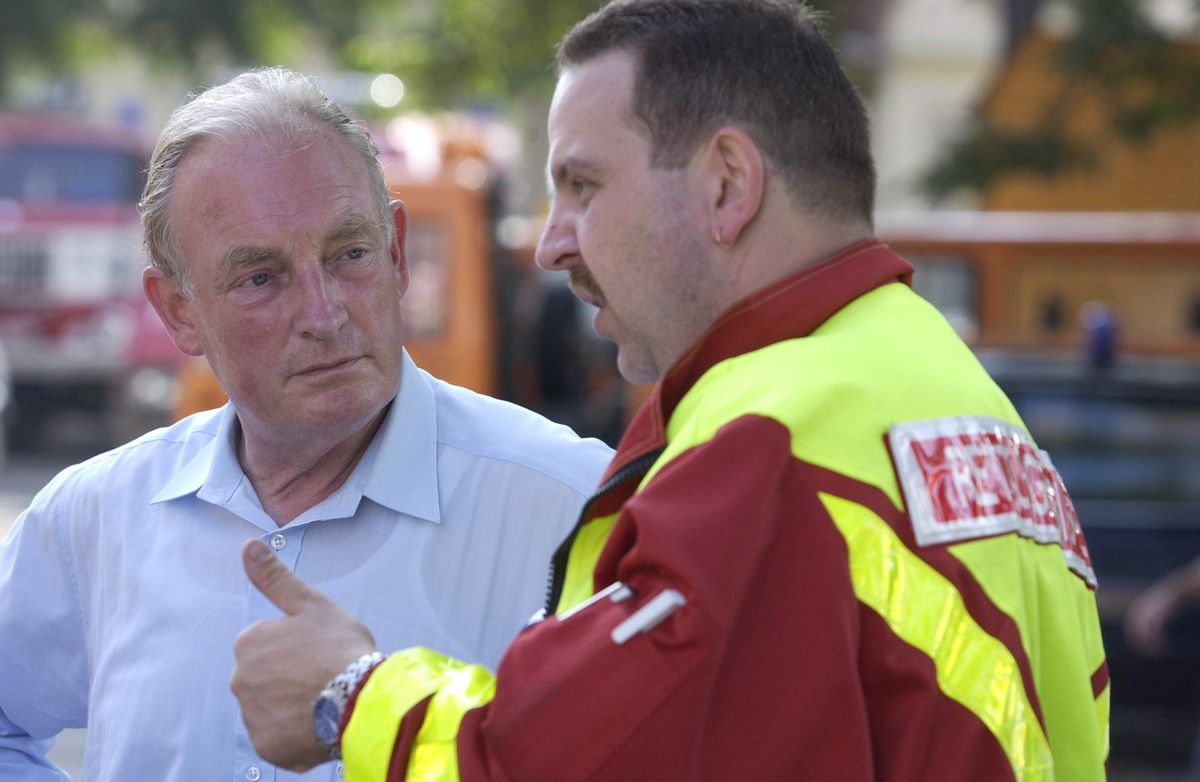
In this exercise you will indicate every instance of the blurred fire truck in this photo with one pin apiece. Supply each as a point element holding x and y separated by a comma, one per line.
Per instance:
<point>76,328</point>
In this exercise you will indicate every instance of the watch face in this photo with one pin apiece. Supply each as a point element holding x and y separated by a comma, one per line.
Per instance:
<point>326,719</point>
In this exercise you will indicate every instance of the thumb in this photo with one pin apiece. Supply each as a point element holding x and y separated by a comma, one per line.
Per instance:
<point>276,582</point>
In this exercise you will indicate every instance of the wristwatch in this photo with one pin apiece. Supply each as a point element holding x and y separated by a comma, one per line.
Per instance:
<point>328,708</point>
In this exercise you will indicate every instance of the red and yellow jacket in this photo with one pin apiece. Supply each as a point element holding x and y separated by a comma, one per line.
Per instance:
<point>826,549</point>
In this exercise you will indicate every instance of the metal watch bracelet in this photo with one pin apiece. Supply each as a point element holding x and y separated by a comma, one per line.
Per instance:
<point>347,681</point>
<point>328,710</point>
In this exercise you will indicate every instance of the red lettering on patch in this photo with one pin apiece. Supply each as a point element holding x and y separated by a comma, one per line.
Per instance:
<point>975,477</point>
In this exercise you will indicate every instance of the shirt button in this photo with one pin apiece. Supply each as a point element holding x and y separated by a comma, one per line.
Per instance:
<point>341,770</point>
<point>278,542</point>
<point>253,774</point>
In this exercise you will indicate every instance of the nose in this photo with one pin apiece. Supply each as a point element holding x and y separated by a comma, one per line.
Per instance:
<point>321,311</point>
<point>558,247</point>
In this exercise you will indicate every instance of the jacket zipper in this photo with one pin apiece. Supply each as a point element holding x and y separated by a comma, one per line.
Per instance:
<point>558,563</point>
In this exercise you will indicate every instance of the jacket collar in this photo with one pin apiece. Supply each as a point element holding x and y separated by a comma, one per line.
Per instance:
<point>791,307</point>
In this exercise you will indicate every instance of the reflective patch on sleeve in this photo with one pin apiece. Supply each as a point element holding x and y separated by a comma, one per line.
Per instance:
<point>974,477</point>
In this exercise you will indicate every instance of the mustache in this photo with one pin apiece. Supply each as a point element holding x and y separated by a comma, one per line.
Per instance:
<point>584,285</point>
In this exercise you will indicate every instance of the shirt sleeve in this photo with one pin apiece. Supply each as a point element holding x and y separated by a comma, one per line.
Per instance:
<point>573,697</point>
<point>22,759</point>
<point>43,688</point>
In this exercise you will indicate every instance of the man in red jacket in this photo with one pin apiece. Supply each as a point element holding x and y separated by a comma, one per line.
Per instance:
<point>826,548</point>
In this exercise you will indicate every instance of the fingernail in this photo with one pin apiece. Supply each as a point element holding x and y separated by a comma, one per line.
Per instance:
<point>258,551</point>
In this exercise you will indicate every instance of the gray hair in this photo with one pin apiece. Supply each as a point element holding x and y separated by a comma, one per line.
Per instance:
<point>263,104</point>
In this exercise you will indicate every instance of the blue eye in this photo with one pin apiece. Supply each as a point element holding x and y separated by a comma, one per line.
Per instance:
<point>260,279</point>
<point>356,253</point>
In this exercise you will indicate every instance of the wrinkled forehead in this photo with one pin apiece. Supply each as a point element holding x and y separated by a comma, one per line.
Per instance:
<point>253,192</point>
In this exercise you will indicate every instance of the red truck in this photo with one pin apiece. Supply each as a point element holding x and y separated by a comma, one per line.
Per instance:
<point>78,333</point>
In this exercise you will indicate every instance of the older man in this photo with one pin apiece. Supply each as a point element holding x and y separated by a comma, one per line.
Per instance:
<point>427,509</point>
<point>826,549</point>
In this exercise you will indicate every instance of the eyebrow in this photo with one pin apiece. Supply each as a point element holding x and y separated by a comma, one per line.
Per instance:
<point>564,169</point>
<point>355,226</point>
<point>242,257</point>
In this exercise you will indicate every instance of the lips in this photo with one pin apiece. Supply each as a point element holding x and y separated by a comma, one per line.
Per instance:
<point>327,366</point>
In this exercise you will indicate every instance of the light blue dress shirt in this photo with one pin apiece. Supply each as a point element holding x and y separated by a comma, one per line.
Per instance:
<point>121,586</point>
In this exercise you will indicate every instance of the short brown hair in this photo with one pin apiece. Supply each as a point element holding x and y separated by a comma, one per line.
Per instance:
<point>763,65</point>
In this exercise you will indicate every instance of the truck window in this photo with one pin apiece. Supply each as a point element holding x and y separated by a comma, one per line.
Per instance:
<point>69,174</point>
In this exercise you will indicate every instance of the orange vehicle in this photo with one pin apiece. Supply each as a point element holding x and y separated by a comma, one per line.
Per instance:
<point>450,309</point>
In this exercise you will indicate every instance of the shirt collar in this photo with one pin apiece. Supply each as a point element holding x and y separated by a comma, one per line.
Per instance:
<point>210,467</point>
<point>399,470</point>
<point>791,307</point>
<point>404,476</point>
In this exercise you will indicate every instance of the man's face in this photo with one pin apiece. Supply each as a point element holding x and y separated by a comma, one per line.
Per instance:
<point>296,292</point>
<point>633,237</point>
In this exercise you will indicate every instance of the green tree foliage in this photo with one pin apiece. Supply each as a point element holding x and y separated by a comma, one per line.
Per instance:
<point>1146,83</point>
<point>260,31</point>
<point>448,52</point>
<point>452,53</point>
<point>33,32</point>
<point>457,52</point>
<point>469,51</point>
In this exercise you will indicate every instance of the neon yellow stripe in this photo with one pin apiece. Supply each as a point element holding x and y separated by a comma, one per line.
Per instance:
<point>1055,615</point>
<point>924,610</point>
<point>578,582</point>
<point>831,403</point>
<point>434,755</point>
<point>400,682</point>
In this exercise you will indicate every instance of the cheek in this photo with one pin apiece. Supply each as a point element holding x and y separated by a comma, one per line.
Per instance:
<point>235,360</point>
<point>377,307</point>
<point>610,241</point>
<point>241,346</point>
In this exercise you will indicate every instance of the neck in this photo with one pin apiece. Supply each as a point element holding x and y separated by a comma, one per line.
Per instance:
<point>774,247</point>
<point>292,474</point>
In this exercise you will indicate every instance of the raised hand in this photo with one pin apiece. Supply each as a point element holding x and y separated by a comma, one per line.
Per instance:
<point>281,665</point>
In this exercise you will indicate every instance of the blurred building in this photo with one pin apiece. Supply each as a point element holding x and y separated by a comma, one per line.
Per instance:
<point>1148,274</point>
<point>1043,255</point>
<point>936,58</point>
<point>940,62</point>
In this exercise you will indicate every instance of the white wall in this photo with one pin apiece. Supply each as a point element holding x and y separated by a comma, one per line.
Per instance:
<point>938,58</point>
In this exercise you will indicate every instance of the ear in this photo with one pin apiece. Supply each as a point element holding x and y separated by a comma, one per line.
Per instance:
<point>399,259</point>
<point>173,308</point>
<point>737,175</point>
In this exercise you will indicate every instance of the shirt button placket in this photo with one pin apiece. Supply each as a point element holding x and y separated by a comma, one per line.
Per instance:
<point>287,545</point>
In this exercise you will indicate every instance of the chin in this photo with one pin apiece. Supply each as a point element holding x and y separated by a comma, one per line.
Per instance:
<point>345,404</point>
<point>638,372</point>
